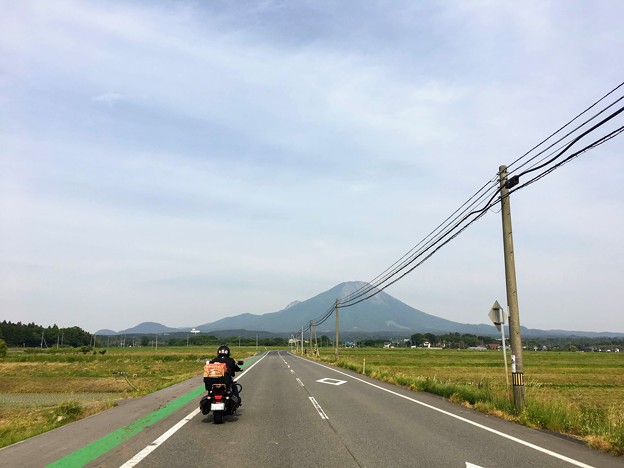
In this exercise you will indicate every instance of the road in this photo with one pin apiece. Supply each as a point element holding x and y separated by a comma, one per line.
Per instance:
<point>297,412</point>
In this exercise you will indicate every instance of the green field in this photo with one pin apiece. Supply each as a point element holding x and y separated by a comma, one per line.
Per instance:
<point>44,389</point>
<point>580,394</point>
<point>575,393</point>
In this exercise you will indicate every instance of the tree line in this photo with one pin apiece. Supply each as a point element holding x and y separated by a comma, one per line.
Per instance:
<point>34,336</point>
<point>31,335</point>
<point>466,340</point>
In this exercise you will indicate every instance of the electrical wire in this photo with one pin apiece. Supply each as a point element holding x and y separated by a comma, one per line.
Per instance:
<point>575,140</point>
<point>509,166</point>
<point>492,202</point>
<point>468,213</point>
<point>424,245</point>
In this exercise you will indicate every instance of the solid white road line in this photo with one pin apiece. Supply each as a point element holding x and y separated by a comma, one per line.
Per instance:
<point>481,426</point>
<point>154,445</point>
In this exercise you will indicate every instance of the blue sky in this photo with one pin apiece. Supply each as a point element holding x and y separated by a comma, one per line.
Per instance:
<point>181,162</point>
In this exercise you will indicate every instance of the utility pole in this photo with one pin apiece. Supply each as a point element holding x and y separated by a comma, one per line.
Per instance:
<point>517,367</point>
<point>310,336</point>
<point>337,322</point>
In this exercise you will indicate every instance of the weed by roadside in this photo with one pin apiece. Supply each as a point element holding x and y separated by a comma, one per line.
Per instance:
<point>600,425</point>
<point>22,423</point>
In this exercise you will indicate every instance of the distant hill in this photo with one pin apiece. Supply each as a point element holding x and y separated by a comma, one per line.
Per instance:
<point>143,328</point>
<point>381,315</point>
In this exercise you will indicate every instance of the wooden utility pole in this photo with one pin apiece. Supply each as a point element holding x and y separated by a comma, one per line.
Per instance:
<point>517,367</point>
<point>337,322</point>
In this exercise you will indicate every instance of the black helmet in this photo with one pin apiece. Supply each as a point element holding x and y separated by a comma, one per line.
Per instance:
<point>223,351</point>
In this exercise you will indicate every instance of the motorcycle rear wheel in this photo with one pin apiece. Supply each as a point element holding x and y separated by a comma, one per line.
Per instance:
<point>218,417</point>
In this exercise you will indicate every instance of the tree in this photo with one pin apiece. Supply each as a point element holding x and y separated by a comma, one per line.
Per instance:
<point>144,340</point>
<point>417,339</point>
<point>3,348</point>
<point>76,336</point>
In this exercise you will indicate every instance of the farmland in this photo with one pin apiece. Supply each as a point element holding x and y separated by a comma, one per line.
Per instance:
<point>575,393</point>
<point>44,389</point>
<point>579,394</point>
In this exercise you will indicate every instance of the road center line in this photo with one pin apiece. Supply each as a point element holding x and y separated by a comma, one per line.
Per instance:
<point>481,426</point>
<point>318,408</point>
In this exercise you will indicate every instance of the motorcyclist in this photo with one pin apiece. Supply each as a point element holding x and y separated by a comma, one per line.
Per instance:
<point>223,355</point>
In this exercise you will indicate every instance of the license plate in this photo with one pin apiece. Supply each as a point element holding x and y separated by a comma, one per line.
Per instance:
<point>217,406</point>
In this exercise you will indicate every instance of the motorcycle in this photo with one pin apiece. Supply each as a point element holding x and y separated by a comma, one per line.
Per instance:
<point>221,399</point>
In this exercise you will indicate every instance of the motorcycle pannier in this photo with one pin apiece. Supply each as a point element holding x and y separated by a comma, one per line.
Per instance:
<point>204,404</point>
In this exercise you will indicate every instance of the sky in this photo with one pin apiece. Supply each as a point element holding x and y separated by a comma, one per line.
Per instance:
<point>180,162</point>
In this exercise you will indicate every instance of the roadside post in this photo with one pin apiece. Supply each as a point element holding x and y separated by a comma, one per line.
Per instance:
<point>337,327</point>
<point>517,371</point>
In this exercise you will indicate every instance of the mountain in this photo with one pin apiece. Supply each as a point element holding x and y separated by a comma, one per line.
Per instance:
<point>378,316</point>
<point>381,313</point>
<point>144,328</point>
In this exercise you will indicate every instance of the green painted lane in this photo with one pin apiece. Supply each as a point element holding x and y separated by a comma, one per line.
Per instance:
<point>96,449</point>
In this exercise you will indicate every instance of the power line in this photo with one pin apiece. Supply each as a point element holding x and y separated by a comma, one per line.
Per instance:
<point>431,239</point>
<point>468,213</point>
<point>566,125</point>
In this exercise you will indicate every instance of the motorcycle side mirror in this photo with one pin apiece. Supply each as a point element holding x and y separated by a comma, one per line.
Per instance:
<point>240,363</point>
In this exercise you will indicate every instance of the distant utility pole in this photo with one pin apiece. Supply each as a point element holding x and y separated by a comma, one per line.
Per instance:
<point>517,368</point>
<point>337,322</point>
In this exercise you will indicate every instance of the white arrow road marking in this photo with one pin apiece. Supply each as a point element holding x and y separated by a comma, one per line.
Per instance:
<point>318,408</point>
<point>470,465</point>
<point>329,381</point>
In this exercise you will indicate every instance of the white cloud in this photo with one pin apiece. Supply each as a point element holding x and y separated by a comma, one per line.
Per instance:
<point>159,157</point>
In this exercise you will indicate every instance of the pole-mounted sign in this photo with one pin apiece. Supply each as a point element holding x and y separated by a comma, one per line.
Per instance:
<point>497,316</point>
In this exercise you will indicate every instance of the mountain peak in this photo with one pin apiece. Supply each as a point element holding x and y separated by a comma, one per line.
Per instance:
<point>292,304</point>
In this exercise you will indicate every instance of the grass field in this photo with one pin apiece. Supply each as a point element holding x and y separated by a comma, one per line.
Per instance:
<point>579,394</point>
<point>44,389</point>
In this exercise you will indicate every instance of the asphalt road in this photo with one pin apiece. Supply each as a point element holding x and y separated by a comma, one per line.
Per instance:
<point>300,413</point>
